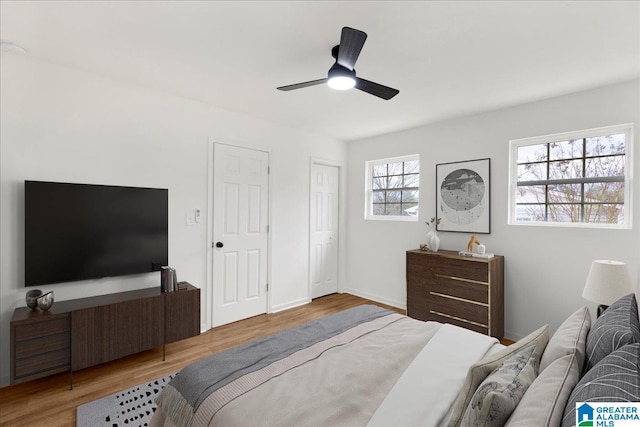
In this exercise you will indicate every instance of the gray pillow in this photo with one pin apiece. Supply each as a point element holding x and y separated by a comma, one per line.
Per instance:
<point>570,338</point>
<point>615,379</point>
<point>544,402</point>
<point>499,394</point>
<point>615,328</point>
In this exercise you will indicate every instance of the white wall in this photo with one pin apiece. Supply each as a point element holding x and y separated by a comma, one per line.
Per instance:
<point>59,124</point>
<point>545,268</point>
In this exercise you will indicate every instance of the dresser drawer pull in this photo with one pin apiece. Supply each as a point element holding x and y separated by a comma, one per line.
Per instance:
<point>438,294</point>
<point>437,313</point>
<point>460,279</point>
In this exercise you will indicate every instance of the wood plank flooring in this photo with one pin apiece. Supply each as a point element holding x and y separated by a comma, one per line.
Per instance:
<point>49,401</point>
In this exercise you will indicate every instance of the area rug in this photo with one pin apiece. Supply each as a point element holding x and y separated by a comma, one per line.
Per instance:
<point>130,407</point>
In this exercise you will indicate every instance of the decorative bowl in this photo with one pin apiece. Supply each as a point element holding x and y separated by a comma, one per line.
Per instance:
<point>32,298</point>
<point>45,301</point>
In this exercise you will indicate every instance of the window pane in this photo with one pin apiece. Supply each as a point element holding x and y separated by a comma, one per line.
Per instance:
<point>412,166</point>
<point>604,192</point>
<point>565,193</point>
<point>410,196</point>
<point>379,209</point>
<point>531,194</point>
<point>411,180</point>
<point>410,209</point>
<point>394,196</point>
<point>395,168</point>
<point>565,149</point>
<point>379,183</point>
<point>529,213</point>
<point>562,169</point>
<point>380,170</point>
<point>605,166</point>
<point>611,144</point>
<point>394,209</point>
<point>532,153</point>
<point>395,181</point>
<point>532,172</point>
<point>563,213</point>
<point>379,197</point>
<point>604,214</point>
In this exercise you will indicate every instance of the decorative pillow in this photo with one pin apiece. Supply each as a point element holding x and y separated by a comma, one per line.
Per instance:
<point>480,370</point>
<point>499,394</point>
<point>544,402</point>
<point>615,328</point>
<point>616,378</point>
<point>570,338</point>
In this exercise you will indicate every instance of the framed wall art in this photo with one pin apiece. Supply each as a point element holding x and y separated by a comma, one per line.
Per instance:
<point>463,201</point>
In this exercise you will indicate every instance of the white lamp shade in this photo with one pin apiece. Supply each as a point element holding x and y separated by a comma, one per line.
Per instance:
<point>607,281</point>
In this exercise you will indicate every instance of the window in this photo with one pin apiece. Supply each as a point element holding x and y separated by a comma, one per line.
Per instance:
<point>578,178</point>
<point>392,188</point>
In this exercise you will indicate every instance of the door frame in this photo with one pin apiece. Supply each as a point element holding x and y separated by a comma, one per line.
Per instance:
<point>341,222</point>
<point>208,297</point>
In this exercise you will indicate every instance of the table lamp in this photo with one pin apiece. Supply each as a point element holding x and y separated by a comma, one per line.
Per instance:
<point>607,281</point>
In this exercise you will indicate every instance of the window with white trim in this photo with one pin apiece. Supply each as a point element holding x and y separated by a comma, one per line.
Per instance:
<point>392,188</point>
<point>578,178</point>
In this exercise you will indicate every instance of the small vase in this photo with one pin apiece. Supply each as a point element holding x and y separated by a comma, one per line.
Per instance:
<point>434,242</point>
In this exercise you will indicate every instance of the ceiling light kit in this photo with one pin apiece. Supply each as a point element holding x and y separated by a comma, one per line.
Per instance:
<point>342,75</point>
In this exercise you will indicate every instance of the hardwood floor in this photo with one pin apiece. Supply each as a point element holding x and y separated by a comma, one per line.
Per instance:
<point>49,401</point>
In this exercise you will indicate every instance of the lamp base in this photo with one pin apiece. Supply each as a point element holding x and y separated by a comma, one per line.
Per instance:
<point>601,309</point>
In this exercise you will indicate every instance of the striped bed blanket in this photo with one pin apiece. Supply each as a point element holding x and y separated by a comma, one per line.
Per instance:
<point>337,370</point>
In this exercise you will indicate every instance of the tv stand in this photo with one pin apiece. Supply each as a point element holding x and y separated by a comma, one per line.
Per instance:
<point>80,333</point>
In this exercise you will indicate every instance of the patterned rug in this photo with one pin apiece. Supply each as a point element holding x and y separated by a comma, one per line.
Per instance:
<point>130,407</point>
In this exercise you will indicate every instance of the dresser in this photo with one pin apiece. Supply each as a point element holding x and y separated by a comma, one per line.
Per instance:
<point>464,291</point>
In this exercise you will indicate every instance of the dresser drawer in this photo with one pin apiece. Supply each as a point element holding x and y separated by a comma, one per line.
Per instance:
<point>41,345</point>
<point>468,269</point>
<point>440,304</point>
<point>42,328</point>
<point>472,291</point>
<point>55,361</point>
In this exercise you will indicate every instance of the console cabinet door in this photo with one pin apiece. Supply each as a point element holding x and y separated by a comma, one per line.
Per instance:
<point>109,332</point>
<point>182,314</point>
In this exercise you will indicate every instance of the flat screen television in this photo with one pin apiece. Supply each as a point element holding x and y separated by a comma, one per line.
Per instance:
<point>77,232</point>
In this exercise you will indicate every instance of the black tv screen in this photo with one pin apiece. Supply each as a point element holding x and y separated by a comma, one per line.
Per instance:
<point>80,231</point>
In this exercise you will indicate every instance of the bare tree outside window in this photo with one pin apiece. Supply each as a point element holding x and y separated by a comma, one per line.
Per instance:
<point>393,188</point>
<point>573,180</point>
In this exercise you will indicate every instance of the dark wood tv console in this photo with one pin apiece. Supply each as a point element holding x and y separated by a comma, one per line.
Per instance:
<point>84,332</point>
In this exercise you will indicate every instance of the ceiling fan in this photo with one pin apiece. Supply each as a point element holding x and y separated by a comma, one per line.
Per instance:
<point>342,75</point>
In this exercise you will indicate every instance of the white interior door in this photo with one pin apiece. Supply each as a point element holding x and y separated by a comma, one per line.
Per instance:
<point>324,229</point>
<point>240,233</point>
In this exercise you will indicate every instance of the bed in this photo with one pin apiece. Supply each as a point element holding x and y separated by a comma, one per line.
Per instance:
<point>367,366</point>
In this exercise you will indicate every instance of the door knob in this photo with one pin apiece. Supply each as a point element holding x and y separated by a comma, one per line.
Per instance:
<point>219,245</point>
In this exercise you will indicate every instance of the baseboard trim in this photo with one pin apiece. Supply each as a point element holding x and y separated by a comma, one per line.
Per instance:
<point>291,304</point>
<point>398,304</point>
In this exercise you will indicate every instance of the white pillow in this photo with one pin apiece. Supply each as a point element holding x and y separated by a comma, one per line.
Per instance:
<point>571,337</point>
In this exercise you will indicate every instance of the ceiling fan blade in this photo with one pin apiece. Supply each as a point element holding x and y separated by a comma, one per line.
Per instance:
<point>351,42</point>
<point>305,84</point>
<point>376,89</point>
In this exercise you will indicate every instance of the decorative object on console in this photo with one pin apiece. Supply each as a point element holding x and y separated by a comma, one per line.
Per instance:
<point>607,281</point>
<point>168,279</point>
<point>32,298</point>
<point>477,251</point>
<point>45,301</point>
<point>433,241</point>
<point>463,196</point>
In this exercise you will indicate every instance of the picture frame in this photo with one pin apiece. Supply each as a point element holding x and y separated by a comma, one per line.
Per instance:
<point>463,196</point>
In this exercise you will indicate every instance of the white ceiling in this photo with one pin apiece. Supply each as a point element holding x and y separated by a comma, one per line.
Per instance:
<point>447,58</point>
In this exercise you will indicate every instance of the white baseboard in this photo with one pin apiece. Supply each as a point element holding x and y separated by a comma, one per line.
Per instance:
<point>291,304</point>
<point>399,304</point>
